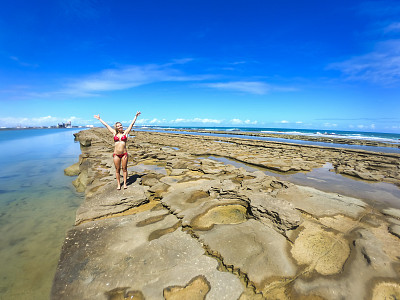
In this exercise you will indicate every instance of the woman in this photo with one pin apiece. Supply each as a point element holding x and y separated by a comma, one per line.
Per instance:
<point>120,153</point>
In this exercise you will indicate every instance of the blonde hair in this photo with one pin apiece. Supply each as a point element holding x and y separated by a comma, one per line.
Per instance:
<point>115,126</point>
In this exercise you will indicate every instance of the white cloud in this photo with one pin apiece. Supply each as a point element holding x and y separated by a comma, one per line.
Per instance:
<point>363,126</point>
<point>284,122</point>
<point>392,28</point>
<point>239,122</point>
<point>236,121</point>
<point>330,125</point>
<point>122,78</point>
<point>125,78</point>
<point>381,66</point>
<point>196,120</point>
<point>24,64</point>
<point>40,121</point>
<point>155,121</point>
<point>214,121</point>
<point>252,87</point>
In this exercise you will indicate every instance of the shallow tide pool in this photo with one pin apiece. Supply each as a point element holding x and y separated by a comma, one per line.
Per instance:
<point>378,194</point>
<point>37,207</point>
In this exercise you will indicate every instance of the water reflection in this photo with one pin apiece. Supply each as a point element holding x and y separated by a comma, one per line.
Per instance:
<point>38,205</point>
<point>376,193</point>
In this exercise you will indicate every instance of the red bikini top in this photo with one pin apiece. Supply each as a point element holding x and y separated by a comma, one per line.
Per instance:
<point>123,138</point>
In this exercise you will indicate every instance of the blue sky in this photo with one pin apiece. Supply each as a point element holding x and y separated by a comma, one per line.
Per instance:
<point>283,64</point>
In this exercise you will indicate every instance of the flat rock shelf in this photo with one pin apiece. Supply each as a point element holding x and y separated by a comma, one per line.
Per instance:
<point>190,227</point>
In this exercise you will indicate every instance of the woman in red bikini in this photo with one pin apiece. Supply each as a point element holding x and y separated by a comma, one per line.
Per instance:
<point>120,153</point>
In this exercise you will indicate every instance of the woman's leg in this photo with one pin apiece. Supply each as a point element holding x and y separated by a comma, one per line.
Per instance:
<point>124,161</point>
<point>117,163</point>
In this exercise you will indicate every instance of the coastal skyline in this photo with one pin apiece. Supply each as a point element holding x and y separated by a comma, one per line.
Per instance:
<point>333,66</point>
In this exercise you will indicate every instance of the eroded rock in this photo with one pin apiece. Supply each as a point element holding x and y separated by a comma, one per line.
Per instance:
<point>189,227</point>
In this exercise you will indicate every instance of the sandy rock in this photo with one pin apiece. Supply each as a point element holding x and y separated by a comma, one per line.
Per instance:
<point>72,170</point>
<point>322,251</point>
<point>393,212</point>
<point>102,256</point>
<point>81,182</point>
<point>221,214</point>
<point>185,218</point>
<point>386,290</point>
<point>196,289</point>
<point>278,211</point>
<point>252,248</point>
<point>319,204</point>
<point>109,201</point>
<point>85,142</point>
<point>367,261</point>
<point>395,230</point>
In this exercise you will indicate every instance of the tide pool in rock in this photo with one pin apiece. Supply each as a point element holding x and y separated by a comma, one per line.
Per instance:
<point>37,207</point>
<point>377,193</point>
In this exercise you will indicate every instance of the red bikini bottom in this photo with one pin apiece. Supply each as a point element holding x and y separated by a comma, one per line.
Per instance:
<point>121,155</point>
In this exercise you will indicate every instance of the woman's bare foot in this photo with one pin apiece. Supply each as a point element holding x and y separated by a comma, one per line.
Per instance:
<point>125,187</point>
<point>118,187</point>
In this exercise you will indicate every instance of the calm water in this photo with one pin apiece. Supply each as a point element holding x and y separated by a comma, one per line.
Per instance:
<point>37,207</point>
<point>377,194</point>
<point>390,138</point>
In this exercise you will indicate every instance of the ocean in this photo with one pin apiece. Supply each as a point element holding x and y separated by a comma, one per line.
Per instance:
<point>390,138</point>
<point>37,207</point>
<point>372,136</point>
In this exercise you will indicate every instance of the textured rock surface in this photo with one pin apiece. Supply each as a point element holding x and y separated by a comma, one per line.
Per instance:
<point>194,228</point>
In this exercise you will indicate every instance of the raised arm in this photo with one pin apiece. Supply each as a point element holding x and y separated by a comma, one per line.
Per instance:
<point>112,130</point>
<point>133,122</point>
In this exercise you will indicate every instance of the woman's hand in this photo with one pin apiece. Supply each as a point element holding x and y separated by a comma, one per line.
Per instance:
<point>138,113</point>
<point>97,117</point>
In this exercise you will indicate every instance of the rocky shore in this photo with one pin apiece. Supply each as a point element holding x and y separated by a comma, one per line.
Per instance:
<point>189,227</point>
<point>324,139</point>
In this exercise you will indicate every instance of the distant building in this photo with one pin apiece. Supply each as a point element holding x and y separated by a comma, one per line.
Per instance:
<point>65,125</point>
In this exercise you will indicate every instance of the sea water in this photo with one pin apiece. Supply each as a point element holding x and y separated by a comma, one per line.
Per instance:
<point>245,132</point>
<point>37,207</point>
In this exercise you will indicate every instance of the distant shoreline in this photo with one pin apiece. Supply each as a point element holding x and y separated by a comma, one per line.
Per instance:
<point>321,139</point>
<point>29,128</point>
<point>333,139</point>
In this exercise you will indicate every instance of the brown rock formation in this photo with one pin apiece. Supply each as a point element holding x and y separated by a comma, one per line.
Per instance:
<point>194,228</point>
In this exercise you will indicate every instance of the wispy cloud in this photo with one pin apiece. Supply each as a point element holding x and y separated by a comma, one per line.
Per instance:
<point>251,87</point>
<point>40,121</point>
<point>243,122</point>
<point>329,125</point>
<point>22,63</point>
<point>362,126</point>
<point>204,121</point>
<point>131,76</point>
<point>392,28</point>
<point>178,121</point>
<point>196,120</point>
<point>122,78</point>
<point>376,119</point>
<point>381,66</point>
